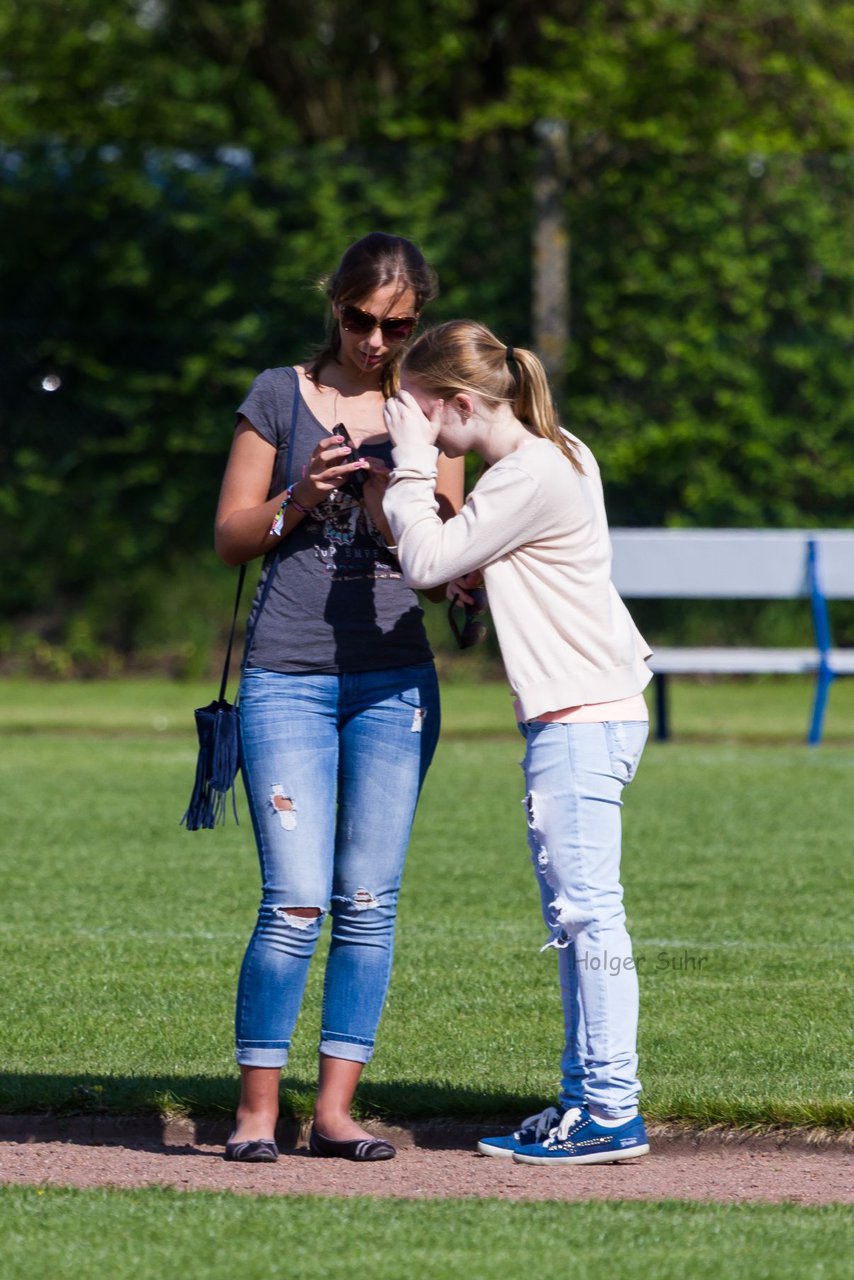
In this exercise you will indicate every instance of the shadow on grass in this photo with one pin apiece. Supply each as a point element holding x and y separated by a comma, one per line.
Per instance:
<point>174,1110</point>
<point>215,1097</point>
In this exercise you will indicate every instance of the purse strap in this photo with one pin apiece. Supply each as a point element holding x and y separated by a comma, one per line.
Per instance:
<point>271,557</point>
<point>241,578</point>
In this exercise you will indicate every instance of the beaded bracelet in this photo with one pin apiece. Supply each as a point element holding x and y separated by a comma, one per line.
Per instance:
<point>279,518</point>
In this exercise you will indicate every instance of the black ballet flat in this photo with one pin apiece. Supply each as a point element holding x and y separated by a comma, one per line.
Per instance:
<point>253,1151</point>
<point>361,1149</point>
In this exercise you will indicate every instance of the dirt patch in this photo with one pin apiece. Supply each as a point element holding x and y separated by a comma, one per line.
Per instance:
<point>433,1161</point>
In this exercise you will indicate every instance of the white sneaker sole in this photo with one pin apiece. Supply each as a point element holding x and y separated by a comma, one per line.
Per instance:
<point>603,1157</point>
<point>485,1149</point>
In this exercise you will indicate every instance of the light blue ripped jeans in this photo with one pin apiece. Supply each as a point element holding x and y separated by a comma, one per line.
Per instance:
<point>574,777</point>
<point>333,765</point>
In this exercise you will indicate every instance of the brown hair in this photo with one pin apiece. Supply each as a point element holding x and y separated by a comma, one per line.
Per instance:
<point>372,262</point>
<point>462,355</point>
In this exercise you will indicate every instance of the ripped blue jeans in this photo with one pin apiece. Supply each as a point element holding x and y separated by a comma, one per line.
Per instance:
<point>574,777</point>
<point>333,765</point>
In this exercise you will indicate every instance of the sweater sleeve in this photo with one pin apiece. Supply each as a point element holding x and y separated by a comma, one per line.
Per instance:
<point>500,513</point>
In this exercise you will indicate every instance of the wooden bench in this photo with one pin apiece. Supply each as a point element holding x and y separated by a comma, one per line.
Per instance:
<point>742,564</point>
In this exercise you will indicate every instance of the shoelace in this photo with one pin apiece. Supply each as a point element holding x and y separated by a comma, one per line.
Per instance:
<point>542,1122</point>
<point>567,1120</point>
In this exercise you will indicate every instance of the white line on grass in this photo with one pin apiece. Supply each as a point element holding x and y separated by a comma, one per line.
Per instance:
<point>740,944</point>
<point>166,935</point>
<point>142,935</point>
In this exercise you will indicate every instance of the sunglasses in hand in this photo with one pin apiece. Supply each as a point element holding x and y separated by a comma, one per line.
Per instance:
<point>393,328</point>
<point>472,631</point>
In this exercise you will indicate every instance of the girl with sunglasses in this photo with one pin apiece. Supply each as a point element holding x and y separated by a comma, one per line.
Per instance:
<point>339,711</point>
<point>535,526</point>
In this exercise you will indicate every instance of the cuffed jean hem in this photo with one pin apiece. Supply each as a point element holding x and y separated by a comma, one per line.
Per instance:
<point>608,1113</point>
<point>261,1057</point>
<point>346,1049</point>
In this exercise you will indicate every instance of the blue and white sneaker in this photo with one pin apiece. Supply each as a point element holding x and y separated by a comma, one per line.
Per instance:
<point>530,1131</point>
<point>578,1139</point>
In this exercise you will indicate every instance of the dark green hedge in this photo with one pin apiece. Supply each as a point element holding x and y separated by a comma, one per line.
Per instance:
<point>710,367</point>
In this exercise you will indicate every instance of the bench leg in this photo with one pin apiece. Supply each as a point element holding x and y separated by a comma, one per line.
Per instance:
<point>824,680</point>
<point>662,720</point>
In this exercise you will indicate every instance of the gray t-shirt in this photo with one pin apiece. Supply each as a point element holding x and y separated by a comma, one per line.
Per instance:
<point>337,601</point>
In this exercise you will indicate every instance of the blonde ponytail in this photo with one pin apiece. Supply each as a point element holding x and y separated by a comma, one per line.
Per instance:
<point>534,405</point>
<point>462,355</point>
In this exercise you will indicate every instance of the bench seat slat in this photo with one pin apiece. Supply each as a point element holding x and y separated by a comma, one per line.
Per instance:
<point>733,661</point>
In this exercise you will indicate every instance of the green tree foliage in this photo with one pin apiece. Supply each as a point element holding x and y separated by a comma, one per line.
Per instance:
<point>680,75</point>
<point>687,77</point>
<point>175,178</point>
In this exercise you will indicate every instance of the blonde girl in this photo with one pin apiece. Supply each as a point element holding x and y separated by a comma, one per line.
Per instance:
<point>535,528</point>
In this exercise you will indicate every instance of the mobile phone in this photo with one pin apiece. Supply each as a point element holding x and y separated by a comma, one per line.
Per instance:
<point>355,482</point>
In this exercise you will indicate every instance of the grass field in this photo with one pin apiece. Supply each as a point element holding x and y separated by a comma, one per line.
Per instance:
<point>122,934</point>
<point>148,1235</point>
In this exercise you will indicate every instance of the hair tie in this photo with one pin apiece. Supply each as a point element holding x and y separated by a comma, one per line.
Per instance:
<point>511,355</point>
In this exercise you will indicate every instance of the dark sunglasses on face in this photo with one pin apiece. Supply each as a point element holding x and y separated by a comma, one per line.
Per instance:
<point>393,328</point>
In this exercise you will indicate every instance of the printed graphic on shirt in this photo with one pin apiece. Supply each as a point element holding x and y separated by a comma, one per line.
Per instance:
<point>350,545</point>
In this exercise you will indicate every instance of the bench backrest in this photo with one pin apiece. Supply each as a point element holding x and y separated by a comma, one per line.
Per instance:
<point>754,564</point>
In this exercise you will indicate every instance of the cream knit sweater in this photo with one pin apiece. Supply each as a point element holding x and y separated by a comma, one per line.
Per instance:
<point>538,530</point>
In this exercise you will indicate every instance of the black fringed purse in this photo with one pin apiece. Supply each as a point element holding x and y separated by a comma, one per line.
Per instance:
<point>219,748</point>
